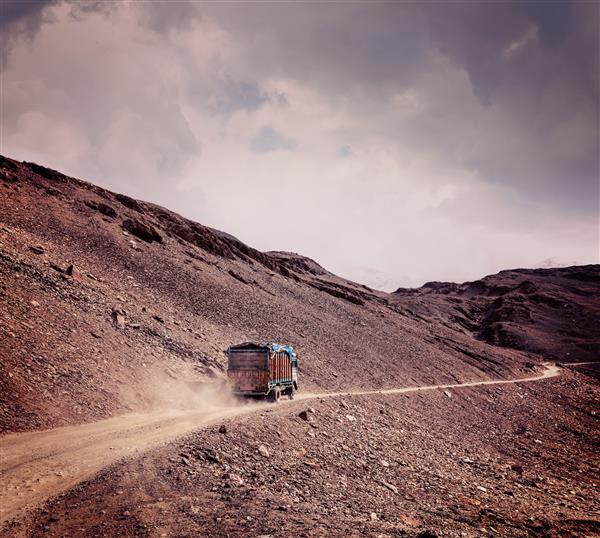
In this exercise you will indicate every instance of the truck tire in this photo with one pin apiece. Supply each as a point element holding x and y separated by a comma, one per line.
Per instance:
<point>275,395</point>
<point>291,392</point>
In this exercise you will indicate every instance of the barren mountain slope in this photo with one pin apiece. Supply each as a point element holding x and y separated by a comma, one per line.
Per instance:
<point>154,299</point>
<point>108,304</point>
<point>551,312</point>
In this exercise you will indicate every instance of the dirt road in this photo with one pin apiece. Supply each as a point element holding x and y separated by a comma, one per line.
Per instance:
<point>36,466</point>
<point>550,370</point>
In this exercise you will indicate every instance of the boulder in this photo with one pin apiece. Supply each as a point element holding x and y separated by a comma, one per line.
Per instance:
<point>142,231</point>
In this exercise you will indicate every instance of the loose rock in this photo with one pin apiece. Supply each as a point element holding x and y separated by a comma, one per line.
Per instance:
<point>305,416</point>
<point>118,316</point>
<point>72,272</point>
<point>391,487</point>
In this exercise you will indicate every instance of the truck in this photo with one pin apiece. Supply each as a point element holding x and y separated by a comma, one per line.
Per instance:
<point>266,370</point>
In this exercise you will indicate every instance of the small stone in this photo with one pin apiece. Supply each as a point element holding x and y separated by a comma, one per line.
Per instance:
<point>481,488</point>
<point>351,418</point>
<point>517,468</point>
<point>304,416</point>
<point>38,249</point>
<point>118,316</point>
<point>448,393</point>
<point>96,335</point>
<point>234,479</point>
<point>411,521</point>
<point>72,272</point>
<point>427,534</point>
<point>34,303</point>
<point>384,463</point>
<point>391,487</point>
<point>373,516</point>
<point>263,451</point>
<point>311,410</point>
<point>222,428</point>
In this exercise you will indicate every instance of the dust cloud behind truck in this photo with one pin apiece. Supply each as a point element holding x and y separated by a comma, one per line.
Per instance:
<point>267,370</point>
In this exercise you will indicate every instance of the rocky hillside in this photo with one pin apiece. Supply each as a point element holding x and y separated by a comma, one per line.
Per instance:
<point>551,312</point>
<point>106,300</point>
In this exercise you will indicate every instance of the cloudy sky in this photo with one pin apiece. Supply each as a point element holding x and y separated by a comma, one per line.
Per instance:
<point>393,142</point>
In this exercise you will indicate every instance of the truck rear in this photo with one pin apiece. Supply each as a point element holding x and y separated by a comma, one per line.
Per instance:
<point>262,370</point>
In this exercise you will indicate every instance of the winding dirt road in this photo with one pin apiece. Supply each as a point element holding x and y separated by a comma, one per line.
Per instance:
<point>36,466</point>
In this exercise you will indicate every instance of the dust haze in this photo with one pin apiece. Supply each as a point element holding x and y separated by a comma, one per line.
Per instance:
<point>162,391</point>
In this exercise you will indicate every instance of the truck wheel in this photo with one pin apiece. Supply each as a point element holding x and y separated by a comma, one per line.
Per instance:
<point>275,395</point>
<point>291,393</point>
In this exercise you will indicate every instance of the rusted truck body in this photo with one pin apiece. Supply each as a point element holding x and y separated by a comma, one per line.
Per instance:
<point>262,370</point>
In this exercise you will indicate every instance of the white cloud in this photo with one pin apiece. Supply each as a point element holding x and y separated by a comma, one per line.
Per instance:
<point>412,178</point>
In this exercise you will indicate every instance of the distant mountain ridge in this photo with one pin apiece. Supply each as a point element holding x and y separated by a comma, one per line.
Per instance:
<point>553,312</point>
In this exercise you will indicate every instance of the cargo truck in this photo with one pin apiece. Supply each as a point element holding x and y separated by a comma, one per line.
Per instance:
<point>262,370</point>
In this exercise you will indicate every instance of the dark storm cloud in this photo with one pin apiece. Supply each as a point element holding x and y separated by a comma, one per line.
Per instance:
<point>537,62</point>
<point>534,64</point>
<point>19,18</point>
<point>478,36</point>
<point>24,18</point>
<point>12,11</point>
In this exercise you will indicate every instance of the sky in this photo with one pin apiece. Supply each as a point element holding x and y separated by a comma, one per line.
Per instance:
<point>393,142</point>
